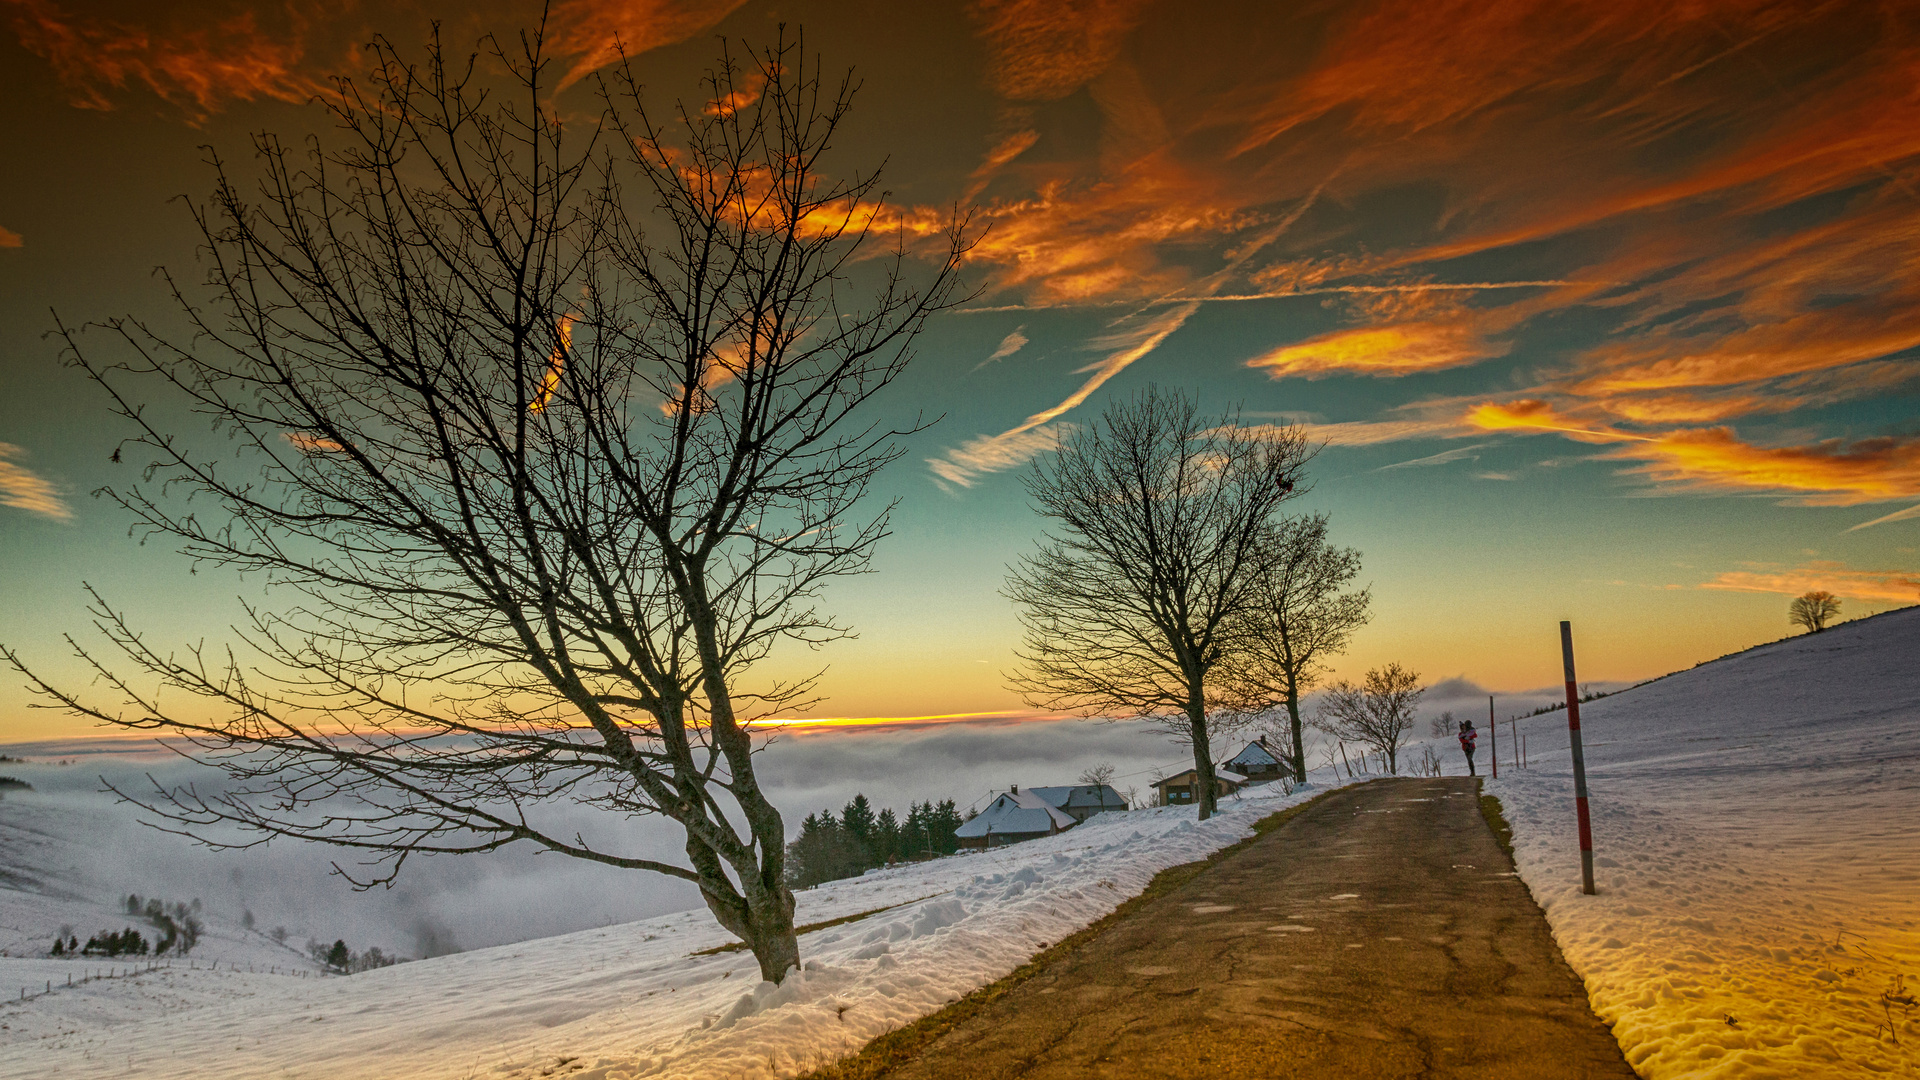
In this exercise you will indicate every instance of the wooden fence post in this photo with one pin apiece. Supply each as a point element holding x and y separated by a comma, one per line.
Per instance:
<point>1579,761</point>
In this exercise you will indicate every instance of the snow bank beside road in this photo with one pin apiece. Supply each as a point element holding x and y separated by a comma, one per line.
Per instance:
<point>1756,855</point>
<point>628,1001</point>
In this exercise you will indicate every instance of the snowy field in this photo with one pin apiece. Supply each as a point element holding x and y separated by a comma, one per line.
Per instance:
<point>1757,836</point>
<point>623,1001</point>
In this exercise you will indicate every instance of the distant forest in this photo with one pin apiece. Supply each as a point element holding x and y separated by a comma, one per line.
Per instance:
<point>858,840</point>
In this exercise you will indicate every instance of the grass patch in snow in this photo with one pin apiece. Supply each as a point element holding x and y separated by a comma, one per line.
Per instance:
<point>1497,821</point>
<point>897,1047</point>
<point>741,946</point>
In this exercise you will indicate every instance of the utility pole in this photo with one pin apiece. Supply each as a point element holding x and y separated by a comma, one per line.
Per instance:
<point>1579,761</point>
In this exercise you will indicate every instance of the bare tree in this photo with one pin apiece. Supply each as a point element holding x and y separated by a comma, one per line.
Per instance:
<point>1298,619</point>
<point>1134,599</point>
<point>1099,775</point>
<point>1378,712</point>
<point>549,430</point>
<point>1814,610</point>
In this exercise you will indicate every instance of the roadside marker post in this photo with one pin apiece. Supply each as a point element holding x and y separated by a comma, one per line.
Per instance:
<point>1579,761</point>
<point>1493,737</point>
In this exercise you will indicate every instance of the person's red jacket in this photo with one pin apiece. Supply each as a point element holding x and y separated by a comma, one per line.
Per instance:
<point>1468,738</point>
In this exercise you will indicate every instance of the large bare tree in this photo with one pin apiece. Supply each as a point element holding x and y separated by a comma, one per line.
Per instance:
<point>1376,712</point>
<point>1298,619</point>
<point>1138,592</point>
<point>548,432</point>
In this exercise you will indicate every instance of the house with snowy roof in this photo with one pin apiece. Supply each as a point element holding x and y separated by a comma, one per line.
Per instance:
<point>1082,801</point>
<point>1258,763</point>
<point>1180,788</point>
<point>1012,817</point>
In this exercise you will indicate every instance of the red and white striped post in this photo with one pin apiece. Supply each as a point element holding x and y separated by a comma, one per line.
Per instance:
<point>1493,737</point>
<point>1579,761</point>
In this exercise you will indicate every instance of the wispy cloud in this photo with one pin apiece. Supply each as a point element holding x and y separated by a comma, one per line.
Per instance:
<point>1381,350</point>
<point>23,489</point>
<point>964,464</point>
<point>198,63</point>
<point>1897,515</point>
<point>1129,340</point>
<point>1470,453</point>
<point>1832,472</point>
<point>598,31</point>
<point>1009,345</point>
<point>1900,586</point>
<point>1829,473</point>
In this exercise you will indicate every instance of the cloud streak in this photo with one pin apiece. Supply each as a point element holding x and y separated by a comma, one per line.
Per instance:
<point>199,58</point>
<point>599,31</point>
<point>1898,586</point>
<point>1009,345</point>
<point>23,489</point>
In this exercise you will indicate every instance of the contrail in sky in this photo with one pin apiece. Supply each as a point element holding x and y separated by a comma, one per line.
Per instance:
<point>1431,286</point>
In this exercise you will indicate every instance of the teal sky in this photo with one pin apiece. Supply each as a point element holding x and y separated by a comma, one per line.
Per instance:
<point>1607,311</point>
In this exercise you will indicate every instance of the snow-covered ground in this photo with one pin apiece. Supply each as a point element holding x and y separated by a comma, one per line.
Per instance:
<point>1756,826</point>
<point>43,891</point>
<point>622,1001</point>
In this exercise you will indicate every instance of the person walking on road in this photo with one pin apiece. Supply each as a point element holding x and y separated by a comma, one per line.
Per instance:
<point>1468,736</point>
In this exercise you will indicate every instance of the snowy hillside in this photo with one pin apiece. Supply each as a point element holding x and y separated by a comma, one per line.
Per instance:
<point>623,1001</point>
<point>1758,859</point>
<point>44,891</point>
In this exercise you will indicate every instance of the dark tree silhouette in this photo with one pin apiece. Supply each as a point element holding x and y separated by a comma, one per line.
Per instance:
<point>1298,619</point>
<point>1377,712</point>
<point>1137,594</point>
<point>549,432</point>
<point>1813,610</point>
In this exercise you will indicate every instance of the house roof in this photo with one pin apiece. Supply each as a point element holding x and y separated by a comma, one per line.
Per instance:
<point>1077,796</point>
<point>1186,777</point>
<point>1017,812</point>
<point>1254,754</point>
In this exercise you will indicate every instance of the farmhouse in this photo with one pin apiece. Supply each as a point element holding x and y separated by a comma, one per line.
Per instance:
<point>1180,788</point>
<point>1258,763</point>
<point>1082,801</point>
<point>1015,816</point>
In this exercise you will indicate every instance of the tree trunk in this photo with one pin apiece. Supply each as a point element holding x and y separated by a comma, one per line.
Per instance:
<point>771,939</point>
<point>1203,780</point>
<point>1299,741</point>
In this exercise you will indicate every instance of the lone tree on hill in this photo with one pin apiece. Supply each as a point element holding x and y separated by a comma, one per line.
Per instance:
<point>1377,713</point>
<point>1813,610</point>
<point>551,430</point>
<point>1298,619</point>
<point>1136,597</point>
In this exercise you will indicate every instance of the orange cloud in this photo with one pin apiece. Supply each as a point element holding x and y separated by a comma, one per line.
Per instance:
<point>1405,349</point>
<point>199,60</point>
<point>1829,473</point>
<point>9,238</point>
<point>23,489</point>
<point>746,94</point>
<point>1899,586</point>
<point>1532,414</point>
<point>598,31</point>
<point>1043,50</point>
<point>556,364</point>
<point>1684,408</point>
<point>308,443</point>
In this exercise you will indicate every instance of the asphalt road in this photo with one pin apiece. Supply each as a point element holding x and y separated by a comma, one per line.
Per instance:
<point>1379,933</point>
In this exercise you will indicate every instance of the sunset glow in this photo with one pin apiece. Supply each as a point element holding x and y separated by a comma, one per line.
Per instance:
<point>1602,310</point>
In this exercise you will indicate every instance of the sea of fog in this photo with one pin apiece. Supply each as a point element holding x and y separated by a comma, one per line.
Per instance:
<point>70,835</point>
